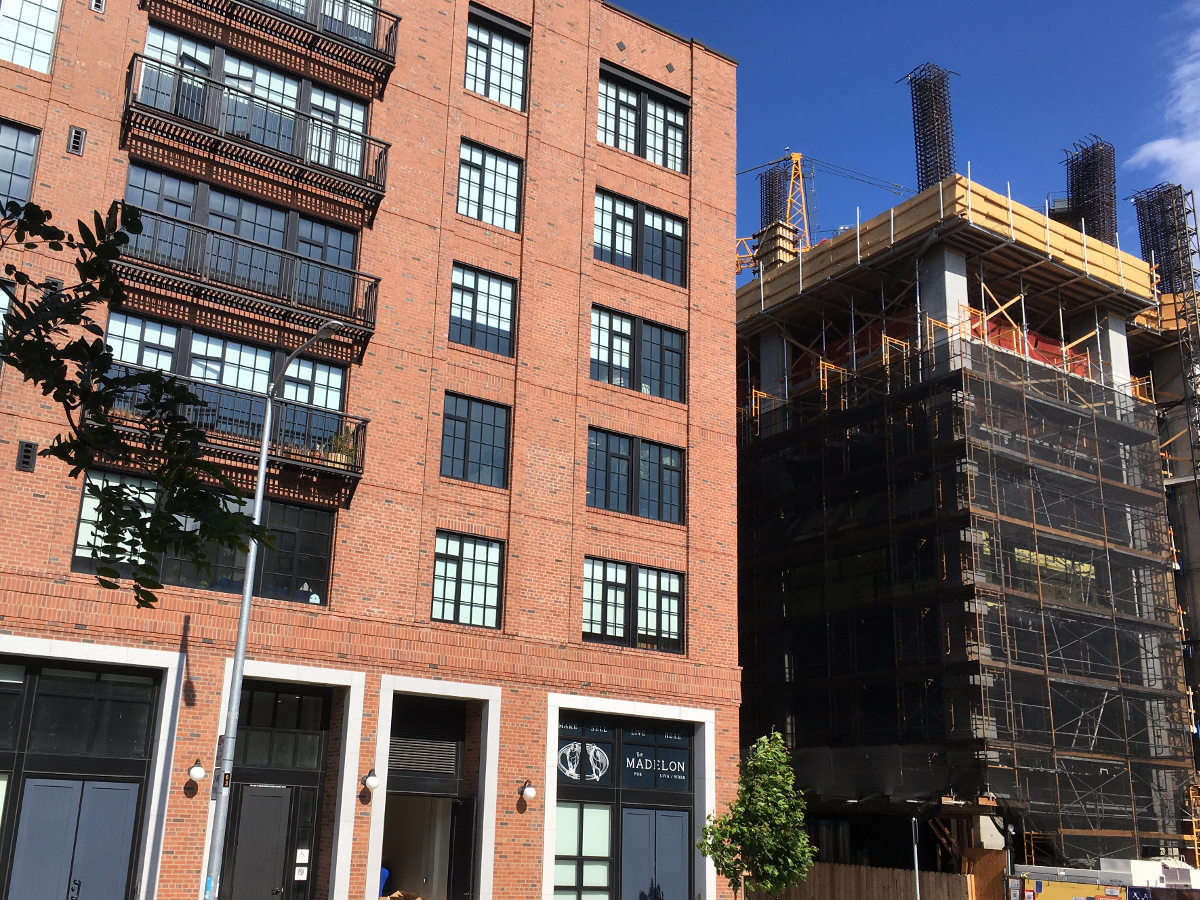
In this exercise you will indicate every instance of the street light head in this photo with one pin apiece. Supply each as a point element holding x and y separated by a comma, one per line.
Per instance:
<point>327,328</point>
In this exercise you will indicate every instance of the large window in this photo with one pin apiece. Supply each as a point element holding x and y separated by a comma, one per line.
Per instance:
<point>642,118</point>
<point>262,105</point>
<point>632,605</point>
<point>657,490</point>
<point>637,354</point>
<point>27,30</point>
<point>18,150</point>
<point>481,310</point>
<point>467,575</point>
<point>489,186</point>
<point>294,566</point>
<point>496,58</point>
<point>475,441</point>
<point>635,236</point>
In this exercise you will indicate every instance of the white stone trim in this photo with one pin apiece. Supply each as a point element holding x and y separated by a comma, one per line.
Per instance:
<point>704,876</point>
<point>162,779</point>
<point>489,757</point>
<point>342,841</point>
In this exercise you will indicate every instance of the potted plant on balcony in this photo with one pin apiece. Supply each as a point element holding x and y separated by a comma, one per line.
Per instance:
<point>339,449</point>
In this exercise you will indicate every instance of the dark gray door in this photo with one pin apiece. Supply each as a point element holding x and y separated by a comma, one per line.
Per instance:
<point>260,860</point>
<point>655,852</point>
<point>73,840</point>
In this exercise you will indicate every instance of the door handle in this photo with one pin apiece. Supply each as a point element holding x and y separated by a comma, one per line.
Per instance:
<point>277,890</point>
<point>73,893</point>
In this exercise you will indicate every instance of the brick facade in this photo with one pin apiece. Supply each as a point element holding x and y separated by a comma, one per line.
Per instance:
<point>377,619</point>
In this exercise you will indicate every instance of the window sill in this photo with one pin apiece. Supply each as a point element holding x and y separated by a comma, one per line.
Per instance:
<point>684,176</point>
<point>625,648</point>
<point>496,104</point>
<point>649,279</point>
<point>479,223</point>
<point>482,354</point>
<point>680,405</point>
<point>447,479</point>
<point>632,517</point>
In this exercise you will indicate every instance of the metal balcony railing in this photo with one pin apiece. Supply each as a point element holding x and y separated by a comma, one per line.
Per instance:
<point>171,101</point>
<point>355,32</point>
<point>252,270</point>
<point>302,434</point>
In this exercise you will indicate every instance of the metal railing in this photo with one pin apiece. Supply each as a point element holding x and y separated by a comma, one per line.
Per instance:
<point>355,23</point>
<point>218,258</point>
<point>302,433</point>
<point>227,111</point>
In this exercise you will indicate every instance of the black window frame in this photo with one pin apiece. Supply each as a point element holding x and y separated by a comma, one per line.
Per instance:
<point>619,491</point>
<point>644,92</point>
<point>462,563</point>
<point>227,571</point>
<point>458,425</point>
<point>496,26</point>
<point>472,333</point>
<point>648,257</point>
<point>7,176</point>
<point>644,374</point>
<point>631,633</point>
<point>476,207</point>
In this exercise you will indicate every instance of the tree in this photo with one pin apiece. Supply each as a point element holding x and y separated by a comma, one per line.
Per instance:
<point>759,842</point>
<point>133,421</point>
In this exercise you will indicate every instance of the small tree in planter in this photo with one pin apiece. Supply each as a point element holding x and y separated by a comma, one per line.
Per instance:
<point>759,842</point>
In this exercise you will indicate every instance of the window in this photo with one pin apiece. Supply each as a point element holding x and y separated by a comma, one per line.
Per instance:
<point>656,493</point>
<point>634,236</point>
<point>18,149</point>
<point>76,140</point>
<point>642,118</point>
<point>583,857</point>
<point>632,605</point>
<point>489,186</point>
<point>27,29</point>
<point>295,566</point>
<point>496,58</point>
<point>655,368</point>
<point>475,441</point>
<point>467,573</point>
<point>481,310</point>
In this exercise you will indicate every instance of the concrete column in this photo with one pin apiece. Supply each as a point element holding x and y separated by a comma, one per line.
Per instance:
<point>1109,345</point>
<point>774,360</point>
<point>943,275</point>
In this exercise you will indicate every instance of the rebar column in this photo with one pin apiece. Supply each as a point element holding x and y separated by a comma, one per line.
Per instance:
<point>1092,188</point>
<point>933,125</point>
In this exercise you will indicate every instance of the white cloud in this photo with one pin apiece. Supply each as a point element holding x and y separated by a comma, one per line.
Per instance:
<point>1176,156</point>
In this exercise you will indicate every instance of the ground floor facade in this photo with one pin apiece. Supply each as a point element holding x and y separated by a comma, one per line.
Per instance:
<point>98,799</point>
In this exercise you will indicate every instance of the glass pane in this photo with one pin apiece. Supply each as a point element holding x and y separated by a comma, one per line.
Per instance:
<point>566,842</point>
<point>596,830</point>
<point>564,895</point>
<point>12,674</point>
<point>595,874</point>
<point>594,895</point>
<point>564,873</point>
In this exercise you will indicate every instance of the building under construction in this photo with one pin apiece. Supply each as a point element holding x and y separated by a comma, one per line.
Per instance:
<point>957,592</point>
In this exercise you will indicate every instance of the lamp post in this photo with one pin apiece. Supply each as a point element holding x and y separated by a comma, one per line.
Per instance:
<point>216,854</point>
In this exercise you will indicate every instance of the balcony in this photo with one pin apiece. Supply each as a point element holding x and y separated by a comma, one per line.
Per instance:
<point>309,437</point>
<point>196,261</point>
<point>166,103</point>
<point>351,43</point>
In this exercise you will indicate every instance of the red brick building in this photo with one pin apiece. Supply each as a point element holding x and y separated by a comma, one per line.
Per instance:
<point>502,494</point>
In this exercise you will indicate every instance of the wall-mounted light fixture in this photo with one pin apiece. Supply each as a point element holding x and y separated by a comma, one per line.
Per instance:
<point>527,791</point>
<point>370,781</point>
<point>196,771</point>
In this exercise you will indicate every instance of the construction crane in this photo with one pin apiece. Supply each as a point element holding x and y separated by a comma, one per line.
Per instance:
<point>795,211</point>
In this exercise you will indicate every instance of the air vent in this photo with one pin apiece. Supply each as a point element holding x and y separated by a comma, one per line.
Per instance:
<point>96,6</point>
<point>26,456</point>
<point>76,137</point>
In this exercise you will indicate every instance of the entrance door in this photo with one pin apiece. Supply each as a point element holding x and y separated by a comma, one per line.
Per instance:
<point>74,839</point>
<point>260,860</point>
<point>654,854</point>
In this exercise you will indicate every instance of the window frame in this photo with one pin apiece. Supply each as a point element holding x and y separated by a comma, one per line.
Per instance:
<point>461,560</point>
<point>639,492</point>
<point>496,27</point>
<point>636,373</point>
<point>21,131</point>
<point>475,206</point>
<point>452,463</point>
<point>35,54</point>
<point>478,335</point>
<point>642,257</point>
<point>644,93</point>
<point>629,606</point>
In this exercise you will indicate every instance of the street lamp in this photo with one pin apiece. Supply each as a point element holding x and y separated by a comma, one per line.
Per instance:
<point>216,854</point>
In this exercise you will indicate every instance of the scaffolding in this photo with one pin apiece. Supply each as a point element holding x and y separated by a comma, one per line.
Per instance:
<point>957,573</point>
<point>933,125</point>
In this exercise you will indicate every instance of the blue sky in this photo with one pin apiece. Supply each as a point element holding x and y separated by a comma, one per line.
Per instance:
<point>1033,78</point>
